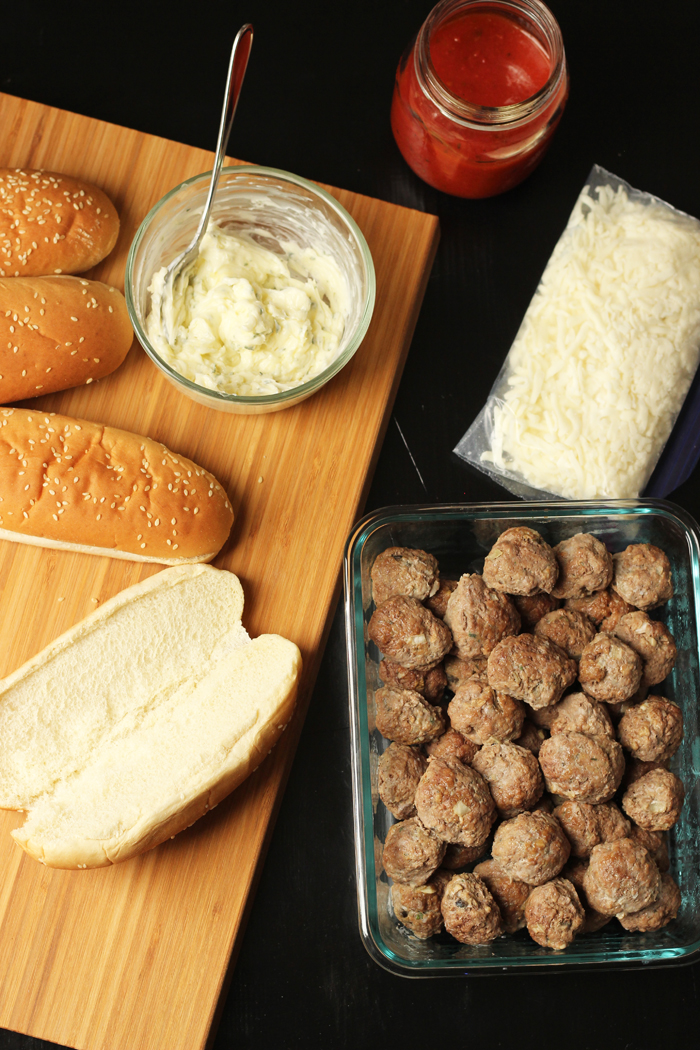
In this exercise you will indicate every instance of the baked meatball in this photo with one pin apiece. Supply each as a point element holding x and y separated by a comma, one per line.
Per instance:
<point>586,825</point>
<point>418,907</point>
<point>513,776</point>
<point>609,670</point>
<point>407,633</point>
<point>658,914</point>
<point>454,800</point>
<point>531,737</point>
<point>479,617</point>
<point>655,800</point>
<point>483,715</point>
<point>585,566</point>
<point>457,857</point>
<point>621,878</point>
<point>520,562</point>
<point>469,911</point>
<point>532,607</point>
<point>458,671</point>
<point>531,847</point>
<point>400,769</point>
<point>509,894</point>
<point>654,643</point>
<point>554,914</point>
<point>652,731</point>
<point>570,630</point>
<point>654,842</point>
<point>407,717</point>
<point>635,769</point>
<point>580,767</point>
<point>531,669</point>
<point>575,871</point>
<point>612,822</point>
<point>578,713</point>
<point>412,852</point>
<point>430,681</point>
<point>437,603</point>
<point>452,745</point>
<point>604,607</point>
<point>401,570</point>
<point>642,576</point>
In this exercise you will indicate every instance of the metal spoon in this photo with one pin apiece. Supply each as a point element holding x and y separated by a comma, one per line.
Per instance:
<point>178,270</point>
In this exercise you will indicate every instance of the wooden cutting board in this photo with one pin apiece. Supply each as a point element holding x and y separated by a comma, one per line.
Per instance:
<point>136,956</point>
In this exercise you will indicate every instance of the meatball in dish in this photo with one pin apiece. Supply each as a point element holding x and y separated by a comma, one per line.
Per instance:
<point>658,914</point>
<point>586,825</point>
<point>458,671</point>
<point>655,843</point>
<point>532,607</point>
<point>580,767</point>
<point>570,630</point>
<point>531,847</point>
<point>604,608</point>
<point>452,745</point>
<point>457,857</point>
<point>642,576</point>
<point>469,911</point>
<point>437,603</point>
<point>454,800</point>
<point>575,871</point>
<point>407,633</point>
<point>513,776</point>
<point>654,643</point>
<point>578,713</point>
<point>652,731</point>
<point>655,800</point>
<point>407,717</point>
<point>509,894</point>
<point>531,737</point>
<point>621,878</point>
<point>520,562</point>
<point>554,914</point>
<point>531,669</point>
<point>412,852</point>
<point>585,566</point>
<point>401,570</point>
<point>479,617</point>
<point>418,907</point>
<point>482,715</point>
<point>609,670</point>
<point>430,681</point>
<point>400,769</point>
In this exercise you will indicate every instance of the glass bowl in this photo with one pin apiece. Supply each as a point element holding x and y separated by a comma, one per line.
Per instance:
<point>460,536</point>
<point>272,206</point>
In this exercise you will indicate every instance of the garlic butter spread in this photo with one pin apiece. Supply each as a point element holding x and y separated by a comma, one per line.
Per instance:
<point>250,321</point>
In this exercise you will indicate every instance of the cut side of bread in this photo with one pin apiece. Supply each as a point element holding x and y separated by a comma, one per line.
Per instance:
<point>140,719</point>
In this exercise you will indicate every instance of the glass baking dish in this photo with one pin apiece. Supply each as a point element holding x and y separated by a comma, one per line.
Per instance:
<point>460,536</point>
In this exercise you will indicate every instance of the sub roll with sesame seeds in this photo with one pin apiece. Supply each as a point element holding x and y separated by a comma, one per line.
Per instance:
<point>73,485</point>
<point>59,332</point>
<point>52,223</point>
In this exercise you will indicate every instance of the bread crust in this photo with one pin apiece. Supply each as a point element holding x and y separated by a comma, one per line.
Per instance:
<point>70,484</point>
<point>52,223</point>
<point>59,332</point>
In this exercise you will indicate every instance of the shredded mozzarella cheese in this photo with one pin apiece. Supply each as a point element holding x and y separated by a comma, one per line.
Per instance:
<point>606,352</point>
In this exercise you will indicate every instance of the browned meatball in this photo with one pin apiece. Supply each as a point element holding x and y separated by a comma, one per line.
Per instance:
<point>531,669</point>
<point>400,769</point>
<point>531,737</point>
<point>612,823</point>
<point>454,800</point>
<point>586,825</point>
<point>580,767</point>
<point>402,570</point>
<point>430,681</point>
<point>531,847</point>
<point>437,603</point>
<point>408,633</point>
<point>479,617</point>
<point>509,894</point>
<point>657,915</point>
<point>457,857</point>
<point>532,607</point>
<point>575,871</point>
<point>553,914</point>
<point>585,566</point>
<point>407,717</point>
<point>483,715</point>
<point>570,630</point>
<point>418,907</point>
<point>458,671</point>
<point>578,713</point>
<point>452,745</point>
<point>654,842</point>
<point>609,670</point>
<point>642,576</point>
<point>469,911</point>
<point>604,607</point>
<point>635,769</point>
<point>655,800</point>
<point>652,731</point>
<point>412,852</point>
<point>520,562</point>
<point>654,643</point>
<point>513,776</point>
<point>621,878</point>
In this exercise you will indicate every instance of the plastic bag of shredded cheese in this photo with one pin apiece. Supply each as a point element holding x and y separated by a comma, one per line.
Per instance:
<point>604,357</point>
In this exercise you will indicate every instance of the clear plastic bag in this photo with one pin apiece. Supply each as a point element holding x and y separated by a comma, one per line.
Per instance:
<point>606,353</point>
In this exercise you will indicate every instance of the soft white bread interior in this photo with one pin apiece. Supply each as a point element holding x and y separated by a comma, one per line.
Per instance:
<point>139,719</point>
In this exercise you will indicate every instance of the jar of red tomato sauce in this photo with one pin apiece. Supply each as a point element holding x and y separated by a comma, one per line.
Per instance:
<point>479,93</point>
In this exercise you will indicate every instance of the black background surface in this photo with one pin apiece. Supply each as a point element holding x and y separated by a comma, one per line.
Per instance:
<point>316,102</point>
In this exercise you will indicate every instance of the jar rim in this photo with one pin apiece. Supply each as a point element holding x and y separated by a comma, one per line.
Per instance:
<point>470,114</point>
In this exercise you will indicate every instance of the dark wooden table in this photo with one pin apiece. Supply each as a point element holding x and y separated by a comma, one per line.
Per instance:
<point>316,102</point>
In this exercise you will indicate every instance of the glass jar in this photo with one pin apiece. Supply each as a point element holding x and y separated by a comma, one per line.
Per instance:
<point>493,51</point>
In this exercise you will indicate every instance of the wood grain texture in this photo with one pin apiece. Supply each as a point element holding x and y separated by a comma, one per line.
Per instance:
<point>135,956</point>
